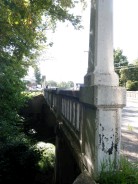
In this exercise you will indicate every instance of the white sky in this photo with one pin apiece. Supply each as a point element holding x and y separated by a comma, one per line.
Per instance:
<point>126,27</point>
<point>69,54</point>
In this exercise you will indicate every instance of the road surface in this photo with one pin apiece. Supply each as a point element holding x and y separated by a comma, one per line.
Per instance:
<point>129,128</point>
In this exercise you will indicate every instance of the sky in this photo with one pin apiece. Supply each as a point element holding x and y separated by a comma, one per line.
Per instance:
<point>126,27</point>
<point>67,60</point>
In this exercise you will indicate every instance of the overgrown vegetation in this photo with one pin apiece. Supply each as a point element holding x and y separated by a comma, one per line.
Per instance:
<point>23,158</point>
<point>18,162</point>
<point>126,174</point>
<point>47,159</point>
<point>22,32</point>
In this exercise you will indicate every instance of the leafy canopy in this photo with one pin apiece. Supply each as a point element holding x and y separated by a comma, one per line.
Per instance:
<point>24,24</point>
<point>119,58</point>
<point>128,73</point>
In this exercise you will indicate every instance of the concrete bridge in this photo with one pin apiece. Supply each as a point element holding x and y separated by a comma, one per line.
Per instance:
<point>82,144</point>
<point>88,121</point>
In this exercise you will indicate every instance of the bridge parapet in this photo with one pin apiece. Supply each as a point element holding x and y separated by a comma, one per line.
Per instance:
<point>132,95</point>
<point>92,116</point>
<point>66,105</point>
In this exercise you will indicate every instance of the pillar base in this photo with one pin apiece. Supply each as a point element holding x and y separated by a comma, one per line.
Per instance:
<point>101,128</point>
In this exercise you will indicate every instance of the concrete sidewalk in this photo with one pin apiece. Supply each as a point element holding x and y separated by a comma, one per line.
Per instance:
<point>129,128</point>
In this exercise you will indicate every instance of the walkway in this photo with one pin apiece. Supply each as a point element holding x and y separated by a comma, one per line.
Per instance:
<point>130,131</point>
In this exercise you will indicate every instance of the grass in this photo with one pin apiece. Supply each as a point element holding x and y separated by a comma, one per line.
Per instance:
<point>126,174</point>
<point>130,128</point>
<point>31,94</point>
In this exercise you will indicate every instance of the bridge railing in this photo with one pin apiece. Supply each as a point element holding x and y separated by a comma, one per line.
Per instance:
<point>65,104</point>
<point>132,95</point>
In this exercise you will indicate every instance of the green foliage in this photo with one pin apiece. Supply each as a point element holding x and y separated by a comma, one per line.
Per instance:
<point>10,86</point>
<point>47,152</point>
<point>135,62</point>
<point>123,77</point>
<point>126,72</point>
<point>128,77</point>
<point>10,131</point>
<point>119,58</point>
<point>126,174</point>
<point>22,25</point>
<point>29,95</point>
<point>69,84</point>
<point>37,75</point>
<point>18,162</point>
<point>21,33</point>
<point>52,83</point>
<point>63,84</point>
<point>132,86</point>
<point>132,73</point>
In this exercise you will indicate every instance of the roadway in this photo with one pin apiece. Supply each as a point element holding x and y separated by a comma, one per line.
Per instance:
<point>129,128</point>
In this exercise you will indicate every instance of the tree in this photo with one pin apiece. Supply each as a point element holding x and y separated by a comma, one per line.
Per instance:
<point>52,83</point>
<point>119,59</point>
<point>70,84</point>
<point>62,84</point>
<point>22,25</point>
<point>123,76</point>
<point>37,75</point>
<point>132,86</point>
<point>21,33</point>
<point>135,62</point>
<point>128,73</point>
<point>133,73</point>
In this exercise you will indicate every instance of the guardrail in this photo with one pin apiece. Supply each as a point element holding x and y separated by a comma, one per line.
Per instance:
<point>132,95</point>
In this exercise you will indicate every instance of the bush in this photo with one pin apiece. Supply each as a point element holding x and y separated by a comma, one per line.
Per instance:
<point>18,163</point>
<point>132,86</point>
<point>47,160</point>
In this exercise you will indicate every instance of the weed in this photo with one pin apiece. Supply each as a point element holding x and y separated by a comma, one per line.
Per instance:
<point>130,128</point>
<point>127,173</point>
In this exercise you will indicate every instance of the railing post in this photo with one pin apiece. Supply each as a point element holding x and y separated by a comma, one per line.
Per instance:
<point>101,124</point>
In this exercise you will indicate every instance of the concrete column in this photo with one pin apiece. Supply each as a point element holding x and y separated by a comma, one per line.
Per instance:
<point>101,96</point>
<point>100,60</point>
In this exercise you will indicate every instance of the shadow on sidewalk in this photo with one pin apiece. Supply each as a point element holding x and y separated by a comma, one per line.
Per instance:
<point>129,144</point>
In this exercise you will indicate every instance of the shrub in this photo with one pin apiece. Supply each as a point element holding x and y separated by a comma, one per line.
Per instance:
<point>132,86</point>
<point>47,160</point>
<point>18,163</point>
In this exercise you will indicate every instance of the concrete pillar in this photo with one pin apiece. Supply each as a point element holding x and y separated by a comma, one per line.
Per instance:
<point>101,97</point>
<point>100,60</point>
